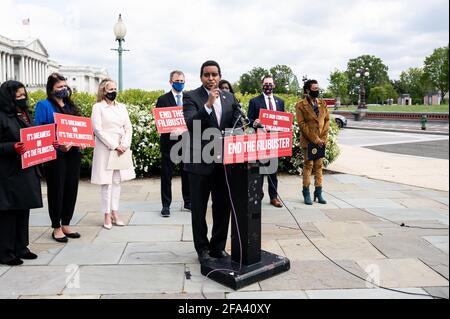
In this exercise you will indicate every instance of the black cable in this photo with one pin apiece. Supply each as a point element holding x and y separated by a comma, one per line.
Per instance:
<point>238,232</point>
<point>335,263</point>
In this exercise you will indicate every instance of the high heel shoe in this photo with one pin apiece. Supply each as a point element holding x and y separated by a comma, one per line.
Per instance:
<point>117,222</point>
<point>318,195</point>
<point>108,226</point>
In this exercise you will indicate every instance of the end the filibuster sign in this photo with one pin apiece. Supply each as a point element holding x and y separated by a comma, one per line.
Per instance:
<point>169,119</point>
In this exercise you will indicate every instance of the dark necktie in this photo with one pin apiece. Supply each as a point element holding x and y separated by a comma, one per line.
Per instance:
<point>270,103</point>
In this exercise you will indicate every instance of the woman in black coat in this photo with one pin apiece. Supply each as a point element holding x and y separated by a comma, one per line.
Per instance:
<point>20,190</point>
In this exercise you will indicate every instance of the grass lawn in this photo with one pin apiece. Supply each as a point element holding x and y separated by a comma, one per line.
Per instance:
<point>402,108</point>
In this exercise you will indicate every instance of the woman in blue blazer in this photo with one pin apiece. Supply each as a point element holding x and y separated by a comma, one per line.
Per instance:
<point>63,174</point>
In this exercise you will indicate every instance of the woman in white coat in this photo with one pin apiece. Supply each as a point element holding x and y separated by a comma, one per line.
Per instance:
<point>112,163</point>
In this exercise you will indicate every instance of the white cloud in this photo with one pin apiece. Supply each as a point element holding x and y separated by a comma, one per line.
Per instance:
<point>313,38</point>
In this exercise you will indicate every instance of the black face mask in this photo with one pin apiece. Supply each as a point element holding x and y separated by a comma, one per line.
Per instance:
<point>314,94</point>
<point>22,104</point>
<point>111,95</point>
<point>268,89</point>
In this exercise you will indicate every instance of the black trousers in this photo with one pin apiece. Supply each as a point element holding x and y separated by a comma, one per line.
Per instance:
<point>14,237</point>
<point>167,168</point>
<point>62,176</point>
<point>202,187</point>
<point>273,185</point>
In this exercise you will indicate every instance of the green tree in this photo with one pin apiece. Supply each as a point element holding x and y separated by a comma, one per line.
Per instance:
<point>413,82</point>
<point>378,95</point>
<point>391,92</point>
<point>378,74</point>
<point>339,86</point>
<point>250,82</point>
<point>436,70</point>
<point>285,80</point>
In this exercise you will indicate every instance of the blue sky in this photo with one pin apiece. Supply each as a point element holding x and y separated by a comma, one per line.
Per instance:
<point>312,37</point>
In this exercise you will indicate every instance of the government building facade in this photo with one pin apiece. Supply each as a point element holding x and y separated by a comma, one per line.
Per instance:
<point>27,61</point>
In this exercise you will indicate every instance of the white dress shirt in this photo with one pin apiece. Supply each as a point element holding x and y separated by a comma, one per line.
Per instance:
<point>175,96</point>
<point>274,103</point>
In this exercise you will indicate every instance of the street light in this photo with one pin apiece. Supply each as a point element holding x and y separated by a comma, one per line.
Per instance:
<point>362,73</point>
<point>120,30</point>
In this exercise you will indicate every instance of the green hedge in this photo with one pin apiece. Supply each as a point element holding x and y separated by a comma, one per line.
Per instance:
<point>145,145</point>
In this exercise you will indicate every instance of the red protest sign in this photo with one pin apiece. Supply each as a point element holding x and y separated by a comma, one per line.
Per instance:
<point>276,121</point>
<point>38,142</point>
<point>253,147</point>
<point>75,130</point>
<point>169,119</point>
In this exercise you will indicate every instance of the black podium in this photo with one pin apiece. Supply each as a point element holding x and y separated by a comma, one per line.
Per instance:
<point>246,190</point>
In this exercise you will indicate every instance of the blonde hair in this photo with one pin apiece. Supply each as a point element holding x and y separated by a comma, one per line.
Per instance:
<point>102,89</point>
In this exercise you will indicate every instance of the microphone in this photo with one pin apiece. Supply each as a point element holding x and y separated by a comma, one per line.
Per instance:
<point>244,116</point>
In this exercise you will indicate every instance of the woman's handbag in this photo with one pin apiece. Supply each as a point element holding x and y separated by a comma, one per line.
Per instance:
<point>120,162</point>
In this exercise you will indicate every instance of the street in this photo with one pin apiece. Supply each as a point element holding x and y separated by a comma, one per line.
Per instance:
<point>424,145</point>
<point>435,127</point>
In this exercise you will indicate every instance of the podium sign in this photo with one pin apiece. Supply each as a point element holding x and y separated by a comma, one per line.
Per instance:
<point>253,147</point>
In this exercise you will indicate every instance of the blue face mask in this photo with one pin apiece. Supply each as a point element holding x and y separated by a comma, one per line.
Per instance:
<point>177,86</point>
<point>62,94</point>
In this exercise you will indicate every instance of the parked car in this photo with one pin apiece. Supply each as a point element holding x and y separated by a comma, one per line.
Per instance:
<point>340,120</point>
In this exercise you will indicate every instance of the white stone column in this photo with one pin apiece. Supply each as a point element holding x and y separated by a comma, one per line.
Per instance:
<point>25,70</point>
<point>22,69</point>
<point>43,73</point>
<point>6,67</point>
<point>2,66</point>
<point>39,73</point>
<point>11,67</point>
<point>29,71</point>
<point>33,72</point>
<point>36,72</point>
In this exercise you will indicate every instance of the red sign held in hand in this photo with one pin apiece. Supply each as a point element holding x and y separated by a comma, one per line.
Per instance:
<point>253,147</point>
<point>169,119</point>
<point>276,121</point>
<point>38,141</point>
<point>75,130</point>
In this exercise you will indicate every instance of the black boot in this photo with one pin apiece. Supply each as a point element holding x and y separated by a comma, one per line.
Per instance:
<point>318,195</point>
<point>307,196</point>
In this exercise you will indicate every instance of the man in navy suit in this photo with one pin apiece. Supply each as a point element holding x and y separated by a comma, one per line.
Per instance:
<point>170,99</point>
<point>270,102</point>
<point>209,111</point>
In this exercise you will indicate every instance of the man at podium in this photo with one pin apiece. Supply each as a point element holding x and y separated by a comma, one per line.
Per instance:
<point>209,111</point>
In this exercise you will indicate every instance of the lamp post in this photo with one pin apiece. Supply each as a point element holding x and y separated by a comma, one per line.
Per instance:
<point>362,73</point>
<point>120,31</point>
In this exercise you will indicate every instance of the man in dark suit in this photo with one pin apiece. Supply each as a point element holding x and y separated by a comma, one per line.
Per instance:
<point>270,102</point>
<point>209,111</point>
<point>172,98</point>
